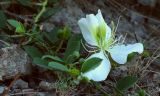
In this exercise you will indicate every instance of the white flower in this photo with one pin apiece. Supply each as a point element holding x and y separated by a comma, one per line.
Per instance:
<point>97,33</point>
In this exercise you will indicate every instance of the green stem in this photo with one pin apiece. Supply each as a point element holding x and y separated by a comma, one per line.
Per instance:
<point>60,45</point>
<point>42,11</point>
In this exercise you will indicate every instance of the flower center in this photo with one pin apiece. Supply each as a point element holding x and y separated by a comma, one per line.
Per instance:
<point>100,37</point>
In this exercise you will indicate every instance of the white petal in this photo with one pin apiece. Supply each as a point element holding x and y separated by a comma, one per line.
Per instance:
<point>102,21</point>
<point>119,53</point>
<point>101,72</point>
<point>100,18</point>
<point>92,23</point>
<point>83,24</point>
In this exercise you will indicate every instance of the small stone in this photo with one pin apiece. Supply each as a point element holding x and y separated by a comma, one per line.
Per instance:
<point>20,84</point>
<point>13,61</point>
<point>46,85</point>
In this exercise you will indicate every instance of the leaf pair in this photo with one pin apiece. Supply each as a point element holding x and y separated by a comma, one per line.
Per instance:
<point>18,25</point>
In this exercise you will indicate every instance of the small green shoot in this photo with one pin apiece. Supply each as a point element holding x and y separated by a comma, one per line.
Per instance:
<point>18,25</point>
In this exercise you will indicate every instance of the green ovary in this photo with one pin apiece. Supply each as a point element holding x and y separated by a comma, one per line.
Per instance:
<point>100,36</point>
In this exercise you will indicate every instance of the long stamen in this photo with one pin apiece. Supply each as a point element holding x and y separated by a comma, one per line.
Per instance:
<point>117,24</point>
<point>93,47</point>
<point>124,38</point>
<point>119,39</point>
<point>87,49</point>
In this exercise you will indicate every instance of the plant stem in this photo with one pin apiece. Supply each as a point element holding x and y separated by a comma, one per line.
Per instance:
<point>42,11</point>
<point>60,45</point>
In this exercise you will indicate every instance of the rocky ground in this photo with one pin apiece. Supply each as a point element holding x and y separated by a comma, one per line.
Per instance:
<point>132,21</point>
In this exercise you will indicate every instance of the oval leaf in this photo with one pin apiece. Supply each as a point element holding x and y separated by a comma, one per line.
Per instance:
<point>32,51</point>
<point>40,62</point>
<point>73,45</point>
<point>18,25</point>
<point>58,66</point>
<point>14,23</point>
<point>91,64</point>
<point>126,82</point>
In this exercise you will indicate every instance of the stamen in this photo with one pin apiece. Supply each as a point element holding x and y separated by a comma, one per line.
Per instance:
<point>87,49</point>
<point>93,47</point>
<point>117,23</point>
<point>124,38</point>
<point>119,39</point>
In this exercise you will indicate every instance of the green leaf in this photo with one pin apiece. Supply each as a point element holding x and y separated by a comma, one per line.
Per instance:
<point>141,92</point>
<point>58,66</point>
<point>74,72</point>
<point>126,83</point>
<point>20,29</point>
<point>52,36</point>
<point>146,53</point>
<point>131,56</point>
<point>73,46</point>
<point>40,62</point>
<point>14,23</point>
<point>18,25</point>
<point>64,33</point>
<point>2,19</point>
<point>56,58</point>
<point>33,51</point>
<point>91,64</point>
<point>71,58</point>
